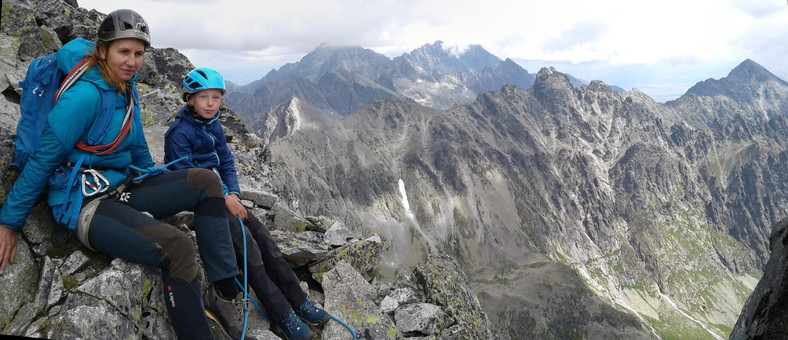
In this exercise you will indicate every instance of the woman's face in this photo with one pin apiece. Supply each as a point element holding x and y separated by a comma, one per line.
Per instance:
<point>124,57</point>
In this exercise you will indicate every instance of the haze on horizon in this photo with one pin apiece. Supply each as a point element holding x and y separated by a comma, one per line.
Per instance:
<point>660,48</point>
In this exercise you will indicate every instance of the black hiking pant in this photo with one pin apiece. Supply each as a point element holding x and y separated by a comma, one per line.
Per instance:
<point>122,230</point>
<point>269,275</point>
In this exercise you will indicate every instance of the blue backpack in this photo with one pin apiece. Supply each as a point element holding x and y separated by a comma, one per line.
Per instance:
<point>43,84</point>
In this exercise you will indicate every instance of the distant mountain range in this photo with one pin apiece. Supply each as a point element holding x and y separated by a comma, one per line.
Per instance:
<point>578,209</point>
<point>339,80</point>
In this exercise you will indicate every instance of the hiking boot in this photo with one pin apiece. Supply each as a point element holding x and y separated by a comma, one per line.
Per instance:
<point>312,315</point>
<point>294,328</point>
<point>228,314</point>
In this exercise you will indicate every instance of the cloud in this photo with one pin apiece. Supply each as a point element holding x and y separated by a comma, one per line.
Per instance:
<point>764,42</point>
<point>683,36</point>
<point>581,33</point>
<point>759,9</point>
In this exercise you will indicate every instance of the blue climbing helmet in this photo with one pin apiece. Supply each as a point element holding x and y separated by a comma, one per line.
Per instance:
<point>202,79</point>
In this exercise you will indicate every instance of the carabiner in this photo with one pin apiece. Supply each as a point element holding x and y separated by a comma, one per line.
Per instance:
<point>100,183</point>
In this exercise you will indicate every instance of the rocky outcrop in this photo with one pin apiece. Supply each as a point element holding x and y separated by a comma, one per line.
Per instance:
<point>765,314</point>
<point>59,289</point>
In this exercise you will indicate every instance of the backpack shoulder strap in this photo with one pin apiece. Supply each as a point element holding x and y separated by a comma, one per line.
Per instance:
<point>72,77</point>
<point>102,123</point>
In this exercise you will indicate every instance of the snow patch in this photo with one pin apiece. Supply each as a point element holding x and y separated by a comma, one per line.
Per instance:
<point>296,115</point>
<point>404,195</point>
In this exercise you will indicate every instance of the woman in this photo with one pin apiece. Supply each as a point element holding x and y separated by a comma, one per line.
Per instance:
<point>124,224</point>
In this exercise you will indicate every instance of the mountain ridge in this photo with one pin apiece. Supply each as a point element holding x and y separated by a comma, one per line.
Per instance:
<point>607,182</point>
<point>431,75</point>
<point>747,72</point>
<point>756,94</point>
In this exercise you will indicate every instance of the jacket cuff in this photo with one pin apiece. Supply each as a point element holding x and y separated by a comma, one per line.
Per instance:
<point>11,226</point>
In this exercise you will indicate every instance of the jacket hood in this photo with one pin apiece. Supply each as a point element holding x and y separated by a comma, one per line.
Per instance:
<point>72,53</point>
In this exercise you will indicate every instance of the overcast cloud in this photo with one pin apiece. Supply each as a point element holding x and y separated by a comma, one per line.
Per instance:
<point>659,47</point>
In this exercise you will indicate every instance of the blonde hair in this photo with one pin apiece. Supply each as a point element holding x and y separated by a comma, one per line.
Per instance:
<point>109,77</point>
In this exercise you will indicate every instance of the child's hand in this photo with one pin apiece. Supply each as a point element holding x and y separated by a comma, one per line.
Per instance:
<point>234,206</point>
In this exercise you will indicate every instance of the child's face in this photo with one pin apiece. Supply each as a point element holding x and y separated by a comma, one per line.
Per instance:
<point>206,102</point>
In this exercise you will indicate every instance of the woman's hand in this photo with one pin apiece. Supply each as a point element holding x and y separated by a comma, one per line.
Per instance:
<point>235,207</point>
<point>7,247</point>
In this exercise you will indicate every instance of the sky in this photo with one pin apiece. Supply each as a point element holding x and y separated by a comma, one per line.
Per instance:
<point>661,48</point>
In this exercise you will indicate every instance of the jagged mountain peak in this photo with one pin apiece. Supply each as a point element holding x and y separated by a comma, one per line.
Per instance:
<point>548,73</point>
<point>293,115</point>
<point>590,156</point>
<point>437,57</point>
<point>551,84</point>
<point>749,90</point>
<point>600,86</point>
<point>325,52</point>
<point>509,63</point>
<point>340,79</point>
<point>749,70</point>
<point>326,58</point>
<point>739,79</point>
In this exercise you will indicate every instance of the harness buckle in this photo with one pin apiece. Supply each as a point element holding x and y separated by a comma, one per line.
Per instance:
<point>99,185</point>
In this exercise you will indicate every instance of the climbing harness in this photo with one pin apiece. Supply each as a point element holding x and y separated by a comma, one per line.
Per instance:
<point>93,183</point>
<point>85,218</point>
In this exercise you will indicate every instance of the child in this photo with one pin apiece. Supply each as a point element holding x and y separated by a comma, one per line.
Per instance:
<point>197,135</point>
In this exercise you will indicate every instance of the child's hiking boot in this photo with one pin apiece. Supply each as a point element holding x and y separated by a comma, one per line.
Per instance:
<point>228,314</point>
<point>294,328</point>
<point>312,315</point>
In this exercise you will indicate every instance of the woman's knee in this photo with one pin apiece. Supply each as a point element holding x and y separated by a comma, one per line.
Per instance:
<point>181,254</point>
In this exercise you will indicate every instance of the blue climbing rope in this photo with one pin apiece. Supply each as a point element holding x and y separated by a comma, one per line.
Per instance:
<point>246,292</point>
<point>344,324</point>
<point>265,316</point>
<point>247,298</point>
<point>259,309</point>
<point>153,171</point>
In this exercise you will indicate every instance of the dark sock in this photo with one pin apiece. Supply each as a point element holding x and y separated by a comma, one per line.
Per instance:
<point>226,288</point>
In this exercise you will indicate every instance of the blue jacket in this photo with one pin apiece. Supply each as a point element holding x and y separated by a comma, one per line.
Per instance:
<point>203,144</point>
<point>67,123</point>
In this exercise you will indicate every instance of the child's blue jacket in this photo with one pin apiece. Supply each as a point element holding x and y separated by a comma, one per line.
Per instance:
<point>203,144</point>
